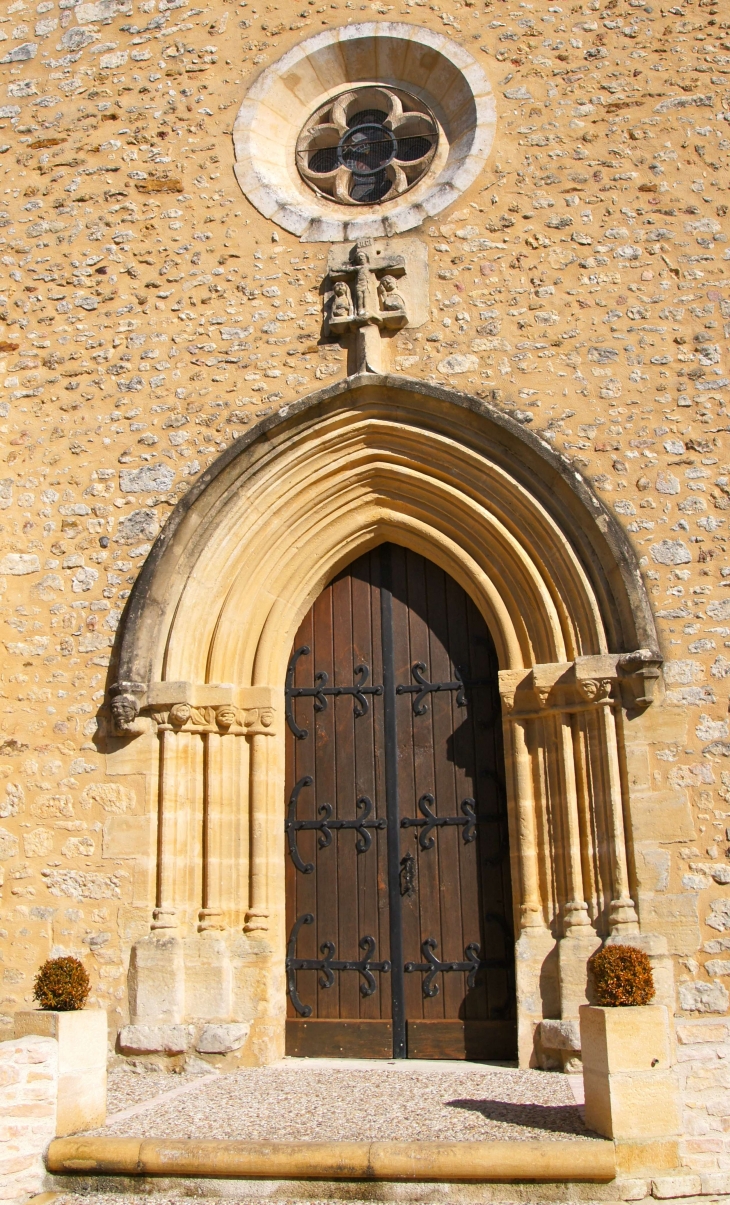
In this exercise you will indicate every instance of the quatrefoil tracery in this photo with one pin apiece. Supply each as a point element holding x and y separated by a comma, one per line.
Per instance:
<point>367,146</point>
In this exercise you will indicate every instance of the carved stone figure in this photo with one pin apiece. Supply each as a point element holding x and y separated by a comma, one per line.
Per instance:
<point>225,716</point>
<point>341,306</point>
<point>180,714</point>
<point>355,279</point>
<point>124,709</point>
<point>391,302</point>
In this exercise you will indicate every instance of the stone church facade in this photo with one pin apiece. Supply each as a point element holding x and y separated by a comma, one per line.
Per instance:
<point>285,286</point>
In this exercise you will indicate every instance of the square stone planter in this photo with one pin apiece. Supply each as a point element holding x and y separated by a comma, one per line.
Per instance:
<point>631,1091</point>
<point>82,1059</point>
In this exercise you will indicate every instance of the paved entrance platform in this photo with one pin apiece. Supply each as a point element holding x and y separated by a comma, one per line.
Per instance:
<point>343,1100</point>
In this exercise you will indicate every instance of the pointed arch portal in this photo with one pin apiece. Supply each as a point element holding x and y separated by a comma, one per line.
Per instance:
<point>198,696</point>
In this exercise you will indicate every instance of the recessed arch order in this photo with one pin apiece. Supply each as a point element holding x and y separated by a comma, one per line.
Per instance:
<point>249,548</point>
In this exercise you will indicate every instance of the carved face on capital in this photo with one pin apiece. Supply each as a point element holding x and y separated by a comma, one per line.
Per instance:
<point>387,284</point>
<point>361,259</point>
<point>180,714</point>
<point>225,716</point>
<point>124,709</point>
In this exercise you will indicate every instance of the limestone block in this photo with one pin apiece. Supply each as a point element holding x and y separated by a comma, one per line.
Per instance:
<point>632,1190</point>
<point>715,1182</point>
<point>560,1035</point>
<point>82,1059</point>
<point>625,1039</point>
<point>630,1090</point>
<point>632,1104</point>
<point>208,979</point>
<point>155,1039</point>
<point>222,1039</point>
<point>666,1187</point>
<point>661,816</point>
<point>674,916</point>
<point>128,836</point>
<point>573,953</point>
<point>157,980</point>
<point>29,1078</point>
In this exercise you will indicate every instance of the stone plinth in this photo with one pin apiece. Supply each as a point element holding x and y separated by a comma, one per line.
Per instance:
<point>82,1058</point>
<point>631,1091</point>
<point>28,1083</point>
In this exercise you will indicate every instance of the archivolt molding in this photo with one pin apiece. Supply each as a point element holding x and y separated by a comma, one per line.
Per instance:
<point>247,551</point>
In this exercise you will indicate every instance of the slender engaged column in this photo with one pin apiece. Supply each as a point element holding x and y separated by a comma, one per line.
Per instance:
<point>211,913</point>
<point>576,909</point>
<point>164,915</point>
<point>530,910</point>
<point>257,916</point>
<point>622,913</point>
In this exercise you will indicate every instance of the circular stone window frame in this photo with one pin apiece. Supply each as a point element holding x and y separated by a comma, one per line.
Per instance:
<point>284,97</point>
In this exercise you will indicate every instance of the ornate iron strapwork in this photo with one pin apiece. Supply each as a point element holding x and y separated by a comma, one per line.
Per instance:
<point>430,821</point>
<point>433,967</point>
<point>360,824</point>
<point>328,964</point>
<point>321,690</point>
<point>421,687</point>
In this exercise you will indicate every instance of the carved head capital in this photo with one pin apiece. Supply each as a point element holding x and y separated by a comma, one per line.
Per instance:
<point>180,713</point>
<point>225,716</point>
<point>594,689</point>
<point>125,709</point>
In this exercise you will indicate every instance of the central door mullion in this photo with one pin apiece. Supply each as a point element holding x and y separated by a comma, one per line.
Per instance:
<point>392,809</point>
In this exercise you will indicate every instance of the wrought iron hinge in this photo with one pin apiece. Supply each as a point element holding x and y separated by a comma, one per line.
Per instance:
<point>321,690</point>
<point>425,840</point>
<point>422,687</point>
<point>360,824</point>
<point>328,964</point>
<point>434,967</point>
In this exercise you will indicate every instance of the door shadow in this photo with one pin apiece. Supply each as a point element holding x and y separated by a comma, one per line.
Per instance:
<point>554,1119</point>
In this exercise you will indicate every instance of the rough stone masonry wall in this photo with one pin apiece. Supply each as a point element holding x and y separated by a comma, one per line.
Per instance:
<point>28,1090</point>
<point>703,1067</point>
<point>149,314</point>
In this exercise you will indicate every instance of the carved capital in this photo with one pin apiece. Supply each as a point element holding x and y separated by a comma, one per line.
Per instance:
<point>593,690</point>
<point>125,704</point>
<point>638,674</point>
<point>225,720</point>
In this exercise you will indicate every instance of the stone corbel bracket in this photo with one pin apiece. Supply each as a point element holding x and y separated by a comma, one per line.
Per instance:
<point>219,708</point>
<point>639,673</point>
<point>582,684</point>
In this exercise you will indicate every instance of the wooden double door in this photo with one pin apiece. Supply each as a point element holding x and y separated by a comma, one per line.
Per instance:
<point>399,912</point>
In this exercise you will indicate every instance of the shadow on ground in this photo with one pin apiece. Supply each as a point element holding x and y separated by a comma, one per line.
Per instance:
<point>556,1119</point>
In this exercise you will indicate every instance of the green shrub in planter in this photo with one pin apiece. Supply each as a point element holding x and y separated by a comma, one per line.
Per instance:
<point>62,985</point>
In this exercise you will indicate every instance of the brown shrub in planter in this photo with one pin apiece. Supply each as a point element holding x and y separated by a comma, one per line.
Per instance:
<point>622,976</point>
<point>62,984</point>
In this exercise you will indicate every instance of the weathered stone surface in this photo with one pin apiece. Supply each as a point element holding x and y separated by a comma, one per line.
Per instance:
<point>155,1039</point>
<point>560,1035</point>
<point>221,1039</point>
<point>29,1078</point>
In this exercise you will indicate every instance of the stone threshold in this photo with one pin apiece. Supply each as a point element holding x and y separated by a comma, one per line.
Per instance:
<point>556,1161</point>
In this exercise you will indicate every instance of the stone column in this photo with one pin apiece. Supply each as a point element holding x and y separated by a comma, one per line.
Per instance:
<point>257,914</point>
<point>622,916</point>
<point>534,942</point>
<point>579,939</point>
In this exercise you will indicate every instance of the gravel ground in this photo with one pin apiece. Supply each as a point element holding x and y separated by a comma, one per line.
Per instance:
<point>293,1101</point>
<point>127,1087</point>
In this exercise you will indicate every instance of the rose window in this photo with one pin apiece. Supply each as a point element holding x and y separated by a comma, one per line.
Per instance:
<point>367,146</point>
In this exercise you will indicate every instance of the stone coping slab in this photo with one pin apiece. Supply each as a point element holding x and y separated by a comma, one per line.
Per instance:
<point>569,1160</point>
